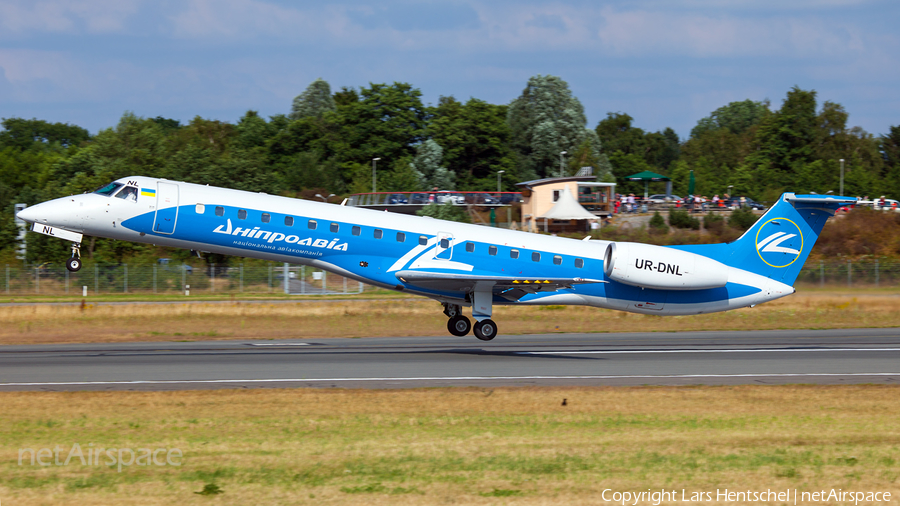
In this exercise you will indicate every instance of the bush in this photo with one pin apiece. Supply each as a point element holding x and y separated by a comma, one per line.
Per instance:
<point>658,224</point>
<point>447,212</point>
<point>680,218</point>
<point>714,222</point>
<point>742,219</point>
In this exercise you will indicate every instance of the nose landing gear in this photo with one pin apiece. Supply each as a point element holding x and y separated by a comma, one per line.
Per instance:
<point>74,263</point>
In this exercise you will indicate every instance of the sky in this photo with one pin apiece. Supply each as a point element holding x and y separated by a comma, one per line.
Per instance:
<point>666,63</point>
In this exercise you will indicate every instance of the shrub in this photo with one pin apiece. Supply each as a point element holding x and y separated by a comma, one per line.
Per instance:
<point>742,219</point>
<point>714,222</point>
<point>680,218</point>
<point>658,224</point>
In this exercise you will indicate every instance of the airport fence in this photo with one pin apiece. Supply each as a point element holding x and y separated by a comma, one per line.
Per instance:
<point>94,279</point>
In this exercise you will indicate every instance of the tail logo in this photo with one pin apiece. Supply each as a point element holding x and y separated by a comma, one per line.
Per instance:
<point>782,242</point>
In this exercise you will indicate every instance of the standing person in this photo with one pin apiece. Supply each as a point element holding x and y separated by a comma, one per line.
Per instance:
<point>715,201</point>
<point>618,203</point>
<point>743,201</point>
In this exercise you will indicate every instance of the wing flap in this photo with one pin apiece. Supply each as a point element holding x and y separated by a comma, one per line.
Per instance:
<point>510,287</point>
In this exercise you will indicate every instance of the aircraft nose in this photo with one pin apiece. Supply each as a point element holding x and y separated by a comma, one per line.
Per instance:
<point>58,213</point>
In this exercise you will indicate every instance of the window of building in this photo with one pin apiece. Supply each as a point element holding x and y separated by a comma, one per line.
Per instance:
<point>492,251</point>
<point>242,214</point>
<point>556,195</point>
<point>378,233</point>
<point>220,211</point>
<point>311,224</point>
<point>401,237</point>
<point>289,221</point>
<point>334,228</point>
<point>266,217</point>
<point>557,260</point>
<point>579,263</point>
<point>535,256</point>
<point>513,253</point>
<point>200,208</point>
<point>470,247</point>
<point>356,230</point>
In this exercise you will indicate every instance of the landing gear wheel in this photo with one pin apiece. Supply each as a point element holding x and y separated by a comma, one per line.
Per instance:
<point>73,264</point>
<point>485,330</point>
<point>459,325</point>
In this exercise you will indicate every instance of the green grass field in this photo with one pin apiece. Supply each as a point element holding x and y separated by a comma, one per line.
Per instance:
<point>452,446</point>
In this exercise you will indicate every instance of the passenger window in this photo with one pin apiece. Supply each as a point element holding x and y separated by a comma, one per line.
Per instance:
<point>311,224</point>
<point>579,263</point>
<point>289,221</point>
<point>492,250</point>
<point>242,214</point>
<point>513,253</point>
<point>266,217</point>
<point>200,208</point>
<point>470,247</point>
<point>423,240</point>
<point>220,211</point>
<point>356,230</point>
<point>557,260</point>
<point>535,256</point>
<point>335,227</point>
<point>378,233</point>
<point>401,237</point>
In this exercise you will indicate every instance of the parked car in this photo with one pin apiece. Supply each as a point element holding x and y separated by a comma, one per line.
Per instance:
<point>448,197</point>
<point>510,198</point>
<point>662,198</point>
<point>419,198</point>
<point>480,198</point>
<point>167,265</point>
<point>735,202</point>
<point>398,198</point>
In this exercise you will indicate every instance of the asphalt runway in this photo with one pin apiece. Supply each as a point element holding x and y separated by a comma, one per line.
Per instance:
<point>845,356</point>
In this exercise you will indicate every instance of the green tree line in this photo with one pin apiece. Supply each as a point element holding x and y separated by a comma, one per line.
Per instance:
<point>326,144</point>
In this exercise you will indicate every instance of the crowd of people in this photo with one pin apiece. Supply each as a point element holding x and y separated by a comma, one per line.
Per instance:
<point>693,203</point>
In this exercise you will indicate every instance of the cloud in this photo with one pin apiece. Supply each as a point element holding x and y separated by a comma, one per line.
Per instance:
<point>60,16</point>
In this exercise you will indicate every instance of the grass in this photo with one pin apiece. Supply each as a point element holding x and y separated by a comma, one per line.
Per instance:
<point>460,446</point>
<point>38,324</point>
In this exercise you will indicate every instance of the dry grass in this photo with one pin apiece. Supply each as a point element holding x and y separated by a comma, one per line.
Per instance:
<point>459,446</point>
<point>407,317</point>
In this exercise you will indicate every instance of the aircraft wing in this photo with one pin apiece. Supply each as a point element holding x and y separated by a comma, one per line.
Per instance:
<point>509,287</point>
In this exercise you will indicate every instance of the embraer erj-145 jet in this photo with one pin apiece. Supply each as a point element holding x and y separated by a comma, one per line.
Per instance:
<point>454,263</point>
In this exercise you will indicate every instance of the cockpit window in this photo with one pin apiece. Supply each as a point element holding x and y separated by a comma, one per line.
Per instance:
<point>128,193</point>
<point>108,189</point>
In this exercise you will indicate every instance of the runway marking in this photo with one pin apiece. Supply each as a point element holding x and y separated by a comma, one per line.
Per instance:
<point>447,378</point>
<point>278,344</point>
<point>755,350</point>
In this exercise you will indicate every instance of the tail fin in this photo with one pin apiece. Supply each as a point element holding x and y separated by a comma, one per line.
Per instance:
<point>779,243</point>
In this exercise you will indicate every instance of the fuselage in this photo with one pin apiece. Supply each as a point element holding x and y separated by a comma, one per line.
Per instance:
<point>373,246</point>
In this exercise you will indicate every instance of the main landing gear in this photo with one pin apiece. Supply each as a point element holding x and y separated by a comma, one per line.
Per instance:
<point>74,263</point>
<point>484,329</point>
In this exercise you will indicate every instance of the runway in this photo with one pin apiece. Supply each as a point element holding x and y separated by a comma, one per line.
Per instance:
<point>844,356</point>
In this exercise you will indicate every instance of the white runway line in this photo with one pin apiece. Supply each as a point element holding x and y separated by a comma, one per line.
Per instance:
<point>645,352</point>
<point>447,378</point>
<point>277,344</point>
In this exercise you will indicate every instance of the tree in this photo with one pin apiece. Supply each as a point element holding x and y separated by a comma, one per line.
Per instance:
<point>315,101</point>
<point>545,120</point>
<point>736,117</point>
<point>475,138</point>
<point>427,165</point>
<point>23,133</point>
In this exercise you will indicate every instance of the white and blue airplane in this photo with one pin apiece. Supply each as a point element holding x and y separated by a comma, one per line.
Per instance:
<point>457,264</point>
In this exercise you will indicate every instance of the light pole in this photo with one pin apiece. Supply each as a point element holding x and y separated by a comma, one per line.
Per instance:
<point>324,199</point>
<point>373,173</point>
<point>562,154</point>
<point>842,177</point>
<point>498,179</point>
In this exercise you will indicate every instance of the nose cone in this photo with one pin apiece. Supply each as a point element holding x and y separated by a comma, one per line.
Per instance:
<point>58,213</point>
<point>27,214</point>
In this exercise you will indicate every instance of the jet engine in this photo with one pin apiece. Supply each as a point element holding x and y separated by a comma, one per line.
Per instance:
<point>649,266</point>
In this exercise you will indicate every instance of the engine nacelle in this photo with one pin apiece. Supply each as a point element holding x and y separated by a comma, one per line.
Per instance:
<point>649,266</point>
